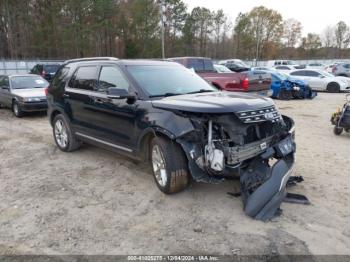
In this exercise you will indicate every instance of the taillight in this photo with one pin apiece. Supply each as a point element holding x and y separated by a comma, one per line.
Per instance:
<point>43,73</point>
<point>46,91</point>
<point>245,83</point>
<point>334,68</point>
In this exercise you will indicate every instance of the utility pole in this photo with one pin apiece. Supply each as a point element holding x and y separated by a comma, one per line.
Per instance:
<point>162,11</point>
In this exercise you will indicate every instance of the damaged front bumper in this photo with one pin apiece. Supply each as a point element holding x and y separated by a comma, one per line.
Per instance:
<point>263,186</point>
<point>264,168</point>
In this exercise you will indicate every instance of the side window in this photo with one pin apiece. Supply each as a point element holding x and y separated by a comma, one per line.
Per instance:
<point>284,63</point>
<point>111,77</point>
<point>84,78</point>
<point>35,69</point>
<point>39,69</point>
<point>312,73</point>
<point>4,81</point>
<point>298,73</point>
<point>196,64</point>
<point>283,67</point>
<point>60,79</point>
<point>208,65</point>
<point>347,66</point>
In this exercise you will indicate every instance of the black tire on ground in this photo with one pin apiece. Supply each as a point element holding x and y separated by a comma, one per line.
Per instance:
<point>333,87</point>
<point>285,94</point>
<point>337,130</point>
<point>298,94</point>
<point>16,109</point>
<point>176,165</point>
<point>72,142</point>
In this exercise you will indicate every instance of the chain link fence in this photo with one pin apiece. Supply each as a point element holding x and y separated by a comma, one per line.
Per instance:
<point>8,67</point>
<point>299,62</point>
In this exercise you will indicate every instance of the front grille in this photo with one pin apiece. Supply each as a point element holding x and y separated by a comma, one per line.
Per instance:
<point>260,115</point>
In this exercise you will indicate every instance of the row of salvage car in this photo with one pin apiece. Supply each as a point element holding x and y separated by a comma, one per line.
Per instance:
<point>158,111</point>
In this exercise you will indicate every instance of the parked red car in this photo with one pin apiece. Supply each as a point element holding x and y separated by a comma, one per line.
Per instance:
<point>248,81</point>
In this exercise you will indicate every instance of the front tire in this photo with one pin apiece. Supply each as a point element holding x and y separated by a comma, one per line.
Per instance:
<point>16,109</point>
<point>169,165</point>
<point>338,130</point>
<point>333,87</point>
<point>63,135</point>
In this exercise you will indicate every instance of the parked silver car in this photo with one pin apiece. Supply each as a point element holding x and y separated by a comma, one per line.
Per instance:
<point>341,69</point>
<point>23,93</point>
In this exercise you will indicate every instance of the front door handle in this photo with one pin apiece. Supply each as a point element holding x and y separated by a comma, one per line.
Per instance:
<point>66,95</point>
<point>98,100</point>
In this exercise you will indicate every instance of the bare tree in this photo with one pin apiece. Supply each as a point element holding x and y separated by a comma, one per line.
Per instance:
<point>291,32</point>
<point>328,36</point>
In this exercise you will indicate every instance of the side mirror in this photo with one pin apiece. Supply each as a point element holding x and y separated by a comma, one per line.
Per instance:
<point>118,93</point>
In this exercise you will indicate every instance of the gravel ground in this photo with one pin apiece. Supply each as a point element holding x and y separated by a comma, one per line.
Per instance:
<point>96,202</point>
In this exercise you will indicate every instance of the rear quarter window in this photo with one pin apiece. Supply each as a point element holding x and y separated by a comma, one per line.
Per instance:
<point>60,79</point>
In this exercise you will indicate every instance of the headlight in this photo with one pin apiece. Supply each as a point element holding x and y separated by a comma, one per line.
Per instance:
<point>34,99</point>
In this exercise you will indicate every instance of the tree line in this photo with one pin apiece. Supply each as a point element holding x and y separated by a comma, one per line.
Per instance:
<point>63,29</point>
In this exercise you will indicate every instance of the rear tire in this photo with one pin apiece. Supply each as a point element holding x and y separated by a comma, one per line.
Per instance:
<point>16,109</point>
<point>333,87</point>
<point>169,164</point>
<point>65,139</point>
<point>338,130</point>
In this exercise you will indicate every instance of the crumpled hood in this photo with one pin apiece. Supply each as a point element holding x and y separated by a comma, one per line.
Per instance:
<point>299,82</point>
<point>32,92</point>
<point>214,102</point>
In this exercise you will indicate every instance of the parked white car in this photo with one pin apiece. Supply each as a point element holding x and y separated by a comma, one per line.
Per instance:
<point>285,68</point>
<point>315,65</point>
<point>321,80</point>
<point>274,63</point>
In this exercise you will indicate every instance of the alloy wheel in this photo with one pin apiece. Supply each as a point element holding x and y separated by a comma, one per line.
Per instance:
<point>61,134</point>
<point>158,163</point>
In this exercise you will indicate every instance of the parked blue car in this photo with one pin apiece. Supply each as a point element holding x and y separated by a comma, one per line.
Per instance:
<point>286,87</point>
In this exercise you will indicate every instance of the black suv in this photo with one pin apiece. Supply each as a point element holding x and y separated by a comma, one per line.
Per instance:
<point>163,113</point>
<point>47,71</point>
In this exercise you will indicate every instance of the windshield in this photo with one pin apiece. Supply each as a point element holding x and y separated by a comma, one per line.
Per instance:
<point>51,68</point>
<point>24,82</point>
<point>241,63</point>
<point>222,69</point>
<point>325,73</point>
<point>281,75</point>
<point>168,80</point>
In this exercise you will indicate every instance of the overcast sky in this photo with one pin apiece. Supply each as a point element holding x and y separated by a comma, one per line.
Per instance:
<point>314,15</point>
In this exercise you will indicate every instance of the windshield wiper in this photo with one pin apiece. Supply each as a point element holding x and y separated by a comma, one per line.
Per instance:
<point>201,91</point>
<point>166,95</point>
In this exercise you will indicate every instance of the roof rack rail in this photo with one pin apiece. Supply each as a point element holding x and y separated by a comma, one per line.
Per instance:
<point>91,59</point>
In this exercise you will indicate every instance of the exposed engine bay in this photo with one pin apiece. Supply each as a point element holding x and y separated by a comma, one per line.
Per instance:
<point>255,146</point>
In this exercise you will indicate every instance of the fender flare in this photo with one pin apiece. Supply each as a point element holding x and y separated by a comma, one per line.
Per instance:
<point>55,111</point>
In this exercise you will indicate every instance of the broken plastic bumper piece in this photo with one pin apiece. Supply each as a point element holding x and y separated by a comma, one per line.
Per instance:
<point>263,187</point>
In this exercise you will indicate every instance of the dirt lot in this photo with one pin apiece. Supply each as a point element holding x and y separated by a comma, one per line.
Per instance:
<point>96,202</point>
